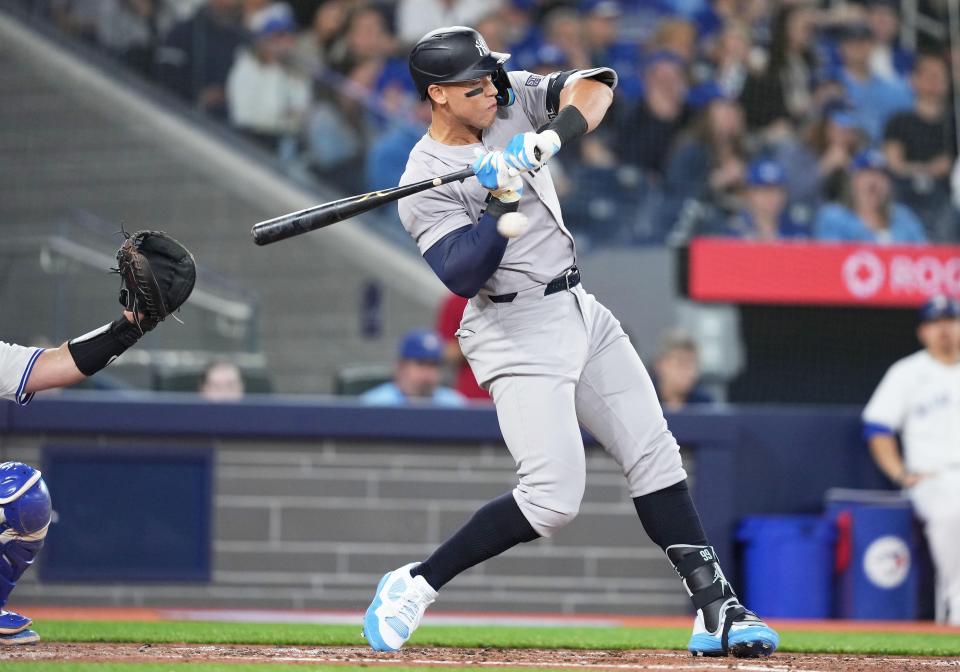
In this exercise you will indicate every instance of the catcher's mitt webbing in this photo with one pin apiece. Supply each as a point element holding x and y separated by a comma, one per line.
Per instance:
<point>157,275</point>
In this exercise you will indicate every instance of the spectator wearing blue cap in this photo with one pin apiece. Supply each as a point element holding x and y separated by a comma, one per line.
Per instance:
<point>920,146</point>
<point>867,213</point>
<point>267,97</point>
<point>416,376</point>
<point>765,215</point>
<point>919,400</point>
<point>874,98</point>
<point>648,128</point>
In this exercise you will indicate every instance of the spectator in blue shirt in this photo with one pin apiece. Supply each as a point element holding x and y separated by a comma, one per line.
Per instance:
<point>765,215</point>
<point>387,156</point>
<point>416,377</point>
<point>874,99</point>
<point>868,213</point>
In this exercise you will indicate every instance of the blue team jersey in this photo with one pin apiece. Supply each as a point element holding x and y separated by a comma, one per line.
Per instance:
<point>836,222</point>
<point>389,394</point>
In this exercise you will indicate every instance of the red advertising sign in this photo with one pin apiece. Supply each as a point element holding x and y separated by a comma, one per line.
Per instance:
<point>821,273</point>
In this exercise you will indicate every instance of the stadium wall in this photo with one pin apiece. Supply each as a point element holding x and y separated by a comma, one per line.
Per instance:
<point>310,501</point>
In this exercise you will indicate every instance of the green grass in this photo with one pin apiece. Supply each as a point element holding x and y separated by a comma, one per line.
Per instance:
<point>191,632</point>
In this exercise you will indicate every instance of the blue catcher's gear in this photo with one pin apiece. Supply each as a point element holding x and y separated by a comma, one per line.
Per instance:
<point>24,498</point>
<point>24,518</point>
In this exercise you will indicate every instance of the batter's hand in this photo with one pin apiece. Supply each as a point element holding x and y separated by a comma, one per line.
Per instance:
<point>510,192</point>
<point>492,170</point>
<point>529,151</point>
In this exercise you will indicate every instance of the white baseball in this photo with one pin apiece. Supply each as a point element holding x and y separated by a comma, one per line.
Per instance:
<point>513,224</point>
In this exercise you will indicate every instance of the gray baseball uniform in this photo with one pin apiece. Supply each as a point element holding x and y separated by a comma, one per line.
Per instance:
<point>548,361</point>
<point>16,363</point>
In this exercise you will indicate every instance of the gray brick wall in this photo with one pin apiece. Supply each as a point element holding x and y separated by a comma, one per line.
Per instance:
<point>301,525</point>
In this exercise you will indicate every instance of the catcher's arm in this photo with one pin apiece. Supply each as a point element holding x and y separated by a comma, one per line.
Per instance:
<point>157,275</point>
<point>75,360</point>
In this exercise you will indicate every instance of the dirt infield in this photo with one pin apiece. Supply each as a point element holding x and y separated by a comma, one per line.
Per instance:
<point>437,657</point>
<point>150,614</point>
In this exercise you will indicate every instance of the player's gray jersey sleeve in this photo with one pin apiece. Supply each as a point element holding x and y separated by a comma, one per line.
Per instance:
<point>539,95</point>
<point>431,214</point>
<point>16,363</point>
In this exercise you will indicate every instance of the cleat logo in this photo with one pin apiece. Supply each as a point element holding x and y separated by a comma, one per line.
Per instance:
<point>718,577</point>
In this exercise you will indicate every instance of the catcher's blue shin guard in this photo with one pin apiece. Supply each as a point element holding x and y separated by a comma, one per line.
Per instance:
<point>722,626</point>
<point>25,512</point>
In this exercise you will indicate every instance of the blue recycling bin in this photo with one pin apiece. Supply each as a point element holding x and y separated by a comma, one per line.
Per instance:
<point>788,565</point>
<point>877,569</point>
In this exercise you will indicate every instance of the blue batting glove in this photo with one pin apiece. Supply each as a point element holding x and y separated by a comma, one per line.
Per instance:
<point>529,151</point>
<point>491,170</point>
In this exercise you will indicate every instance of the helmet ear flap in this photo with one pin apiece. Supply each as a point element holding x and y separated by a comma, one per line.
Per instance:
<point>505,95</point>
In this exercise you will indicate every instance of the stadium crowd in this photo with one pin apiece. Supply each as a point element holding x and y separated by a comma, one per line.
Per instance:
<point>756,119</point>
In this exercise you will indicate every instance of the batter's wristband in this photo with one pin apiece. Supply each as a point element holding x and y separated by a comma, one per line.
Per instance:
<point>497,208</point>
<point>568,124</point>
<point>92,352</point>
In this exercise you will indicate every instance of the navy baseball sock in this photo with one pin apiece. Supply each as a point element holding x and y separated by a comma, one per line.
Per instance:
<point>669,517</point>
<point>494,528</point>
<point>672,522</point>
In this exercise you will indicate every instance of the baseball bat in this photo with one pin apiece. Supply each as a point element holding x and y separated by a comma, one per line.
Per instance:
<point>325,214</point>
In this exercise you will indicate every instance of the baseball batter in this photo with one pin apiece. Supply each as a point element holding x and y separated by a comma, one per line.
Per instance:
<point>551,356</point>
<point>919,398</point>
<point>158,275</point>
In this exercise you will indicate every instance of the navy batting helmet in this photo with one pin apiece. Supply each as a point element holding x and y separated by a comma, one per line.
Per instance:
<point>457,54</point>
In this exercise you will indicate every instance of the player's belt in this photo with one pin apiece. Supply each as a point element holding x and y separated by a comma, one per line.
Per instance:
<point>570,278</point>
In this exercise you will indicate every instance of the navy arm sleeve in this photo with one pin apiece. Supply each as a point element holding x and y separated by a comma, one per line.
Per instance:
<point>465,259</point>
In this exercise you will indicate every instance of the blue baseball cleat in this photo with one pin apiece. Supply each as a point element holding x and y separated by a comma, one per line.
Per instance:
<point>27,636</point>
<point>397,609</point>
<point>739,632</point>
<point>11,622</point>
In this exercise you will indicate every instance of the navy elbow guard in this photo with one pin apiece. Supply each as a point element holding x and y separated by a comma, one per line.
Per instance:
<point>92,352</point>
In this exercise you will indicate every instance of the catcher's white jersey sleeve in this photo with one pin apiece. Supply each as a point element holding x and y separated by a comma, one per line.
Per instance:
<point>920,398</point>
<point>16,363</point>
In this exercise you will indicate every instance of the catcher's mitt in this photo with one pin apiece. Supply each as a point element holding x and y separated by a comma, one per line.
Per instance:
<point>157,274</point>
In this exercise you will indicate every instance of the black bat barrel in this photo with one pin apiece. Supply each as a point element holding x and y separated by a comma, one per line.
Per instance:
<point>319,216</point>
